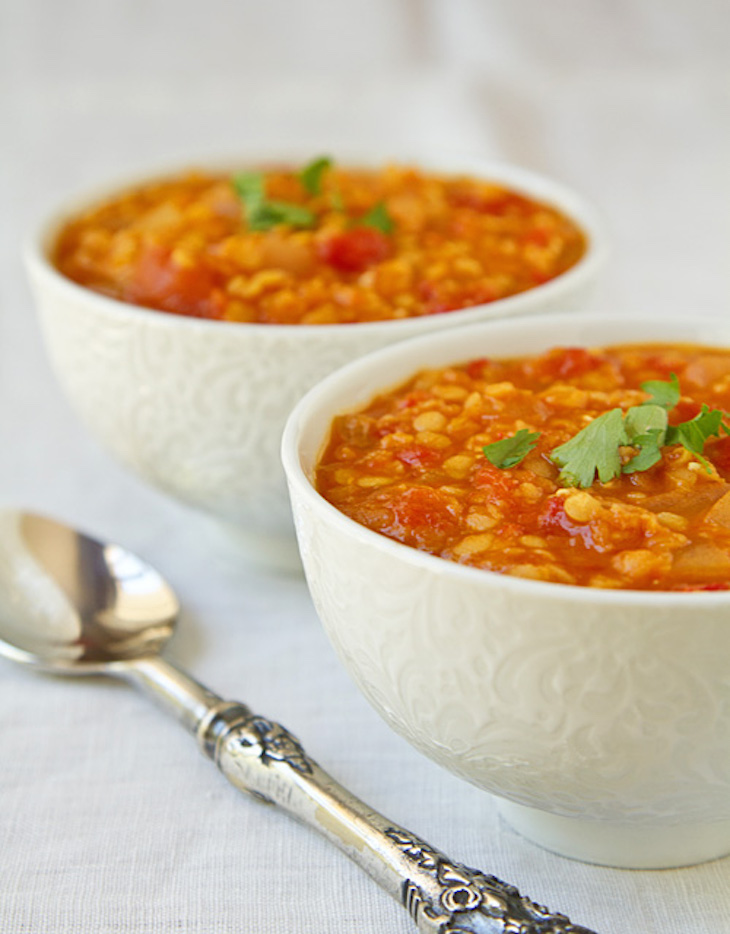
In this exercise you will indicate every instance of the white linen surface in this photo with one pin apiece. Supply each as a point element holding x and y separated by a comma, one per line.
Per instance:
<point>110,820</point>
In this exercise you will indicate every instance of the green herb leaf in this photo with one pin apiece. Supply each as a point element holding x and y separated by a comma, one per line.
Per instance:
<point>312,173</point>
<point>641,419</point>
<point>593,450</point>
<point>693,434</point>
<point>249,186</point>
<point>510,451</point>
<point>378,218</point>
<point>262,214</point>
<point>650,451</point>
<point>662,393</point>
<point>270,213</point>
<point>646,427</point>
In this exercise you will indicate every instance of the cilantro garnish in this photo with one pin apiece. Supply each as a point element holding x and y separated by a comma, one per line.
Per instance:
<point>646,426</point>
<point>644,418</point>
<point>378,218</point>
<point>596,449</point>
<point>693,434</point>
<point>649,453</point>
<point>593,450</point>
<point>249,186</point>
<point>263,213</point>
<point>662,393</point>
<point>312,174</point>
<point>271,213</point>
<point>512,450</point>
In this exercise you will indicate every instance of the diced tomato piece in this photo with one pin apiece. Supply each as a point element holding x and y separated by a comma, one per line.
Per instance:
<point>691,588</point>
<point>499,203</point>
<point>421,516</point>
<point>424,517</point>
<point>418,455</point>
<point>538,236</point>
<point>511,529</point>
<point>441,297</point>
<point>656,366</point>
<point>553,516</point>
<point>495,478</point>
<point>356,249</point>
<point>554,519</point>
<point>719,453</point>
<point>411,399</point>
<point>574,361</point>
<point>159,282</point>
<point>564,363</point>
<point>430,294</point>
<point>475,369</point>
<point>479,294</point>
<point>684,411</point>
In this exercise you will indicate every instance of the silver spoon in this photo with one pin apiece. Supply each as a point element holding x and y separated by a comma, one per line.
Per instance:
<point>72,605</point>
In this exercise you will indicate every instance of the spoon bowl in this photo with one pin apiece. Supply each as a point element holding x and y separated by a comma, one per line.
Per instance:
<point>78,605</point>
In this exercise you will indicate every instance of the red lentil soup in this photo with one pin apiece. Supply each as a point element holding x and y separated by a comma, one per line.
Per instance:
<point>413,466</point>
<point>333,245</point>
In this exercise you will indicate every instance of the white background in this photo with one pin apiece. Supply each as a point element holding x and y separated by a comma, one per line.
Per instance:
<point>110,820</point>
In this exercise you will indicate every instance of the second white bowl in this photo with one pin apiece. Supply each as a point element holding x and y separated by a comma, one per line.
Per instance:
<point>197,407</point>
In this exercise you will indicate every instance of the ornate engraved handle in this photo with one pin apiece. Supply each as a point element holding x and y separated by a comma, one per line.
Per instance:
<point>442,896</point>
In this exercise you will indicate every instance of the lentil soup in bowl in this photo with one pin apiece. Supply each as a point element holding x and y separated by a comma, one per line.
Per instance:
<point>518,541</point>
<point>186,313</point>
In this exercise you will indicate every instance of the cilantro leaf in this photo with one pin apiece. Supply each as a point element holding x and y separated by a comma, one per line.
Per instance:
<point>646,427</point>
<point>662,393</point>
<point>693,434</point>
<point>262,214</point>
<point>270,213</point>
<point>312,173</point>
<point>644,418</point>
<point>249,186</point>
<point>650,451</point>
<point>379,218</point>
<point>510,451</point>
<point>593,450</point>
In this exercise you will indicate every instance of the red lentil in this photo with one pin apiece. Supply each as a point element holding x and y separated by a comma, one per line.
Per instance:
<point>182,245</point>
<point>411,466</point>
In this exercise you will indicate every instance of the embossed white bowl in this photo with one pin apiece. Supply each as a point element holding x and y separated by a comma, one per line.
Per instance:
<point>600,719</point>
<point>197,407</point>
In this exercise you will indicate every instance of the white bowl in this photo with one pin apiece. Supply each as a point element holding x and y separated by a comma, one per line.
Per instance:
<point>600,719</point>
<point>197,407</point>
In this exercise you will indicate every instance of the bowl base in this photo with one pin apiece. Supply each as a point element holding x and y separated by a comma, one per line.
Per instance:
<point>623,846</point>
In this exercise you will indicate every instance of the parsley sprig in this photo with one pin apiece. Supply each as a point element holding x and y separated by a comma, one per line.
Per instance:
<point>593,450</point>
<point>512,450</point>
<point>596,450</point>
<point>312,174</point>
<point>378,218</point>
<point>263,213</point>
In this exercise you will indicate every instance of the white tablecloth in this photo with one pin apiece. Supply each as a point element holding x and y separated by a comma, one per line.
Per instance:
<point>110,820</point>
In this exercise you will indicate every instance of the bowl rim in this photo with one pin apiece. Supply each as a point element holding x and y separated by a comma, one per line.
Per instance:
<point>322,398</point>
<point>36,245</point>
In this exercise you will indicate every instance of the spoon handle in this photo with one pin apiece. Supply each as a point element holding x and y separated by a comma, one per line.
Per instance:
<point>263,758</point>
<point>443,897</point>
